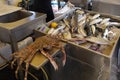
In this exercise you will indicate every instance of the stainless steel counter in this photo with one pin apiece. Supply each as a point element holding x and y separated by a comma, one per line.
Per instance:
<point>107,6</point>
<point>18,25</point>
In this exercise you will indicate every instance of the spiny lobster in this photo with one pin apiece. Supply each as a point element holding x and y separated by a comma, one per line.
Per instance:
<point>40,44</point>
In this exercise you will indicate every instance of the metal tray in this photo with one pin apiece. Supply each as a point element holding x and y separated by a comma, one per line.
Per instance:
<point>101,62</point>
<point>108,53</point>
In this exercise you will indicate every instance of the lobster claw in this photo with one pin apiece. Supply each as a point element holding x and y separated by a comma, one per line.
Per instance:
<point>64,56</point>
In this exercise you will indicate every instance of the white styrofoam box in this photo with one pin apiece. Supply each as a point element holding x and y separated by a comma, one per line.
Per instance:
<point>25,42</point>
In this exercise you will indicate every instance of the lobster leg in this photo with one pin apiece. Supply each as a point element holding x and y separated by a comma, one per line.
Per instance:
<point>12,63</point>
<point>20,63</point>
<point>26,70</point>
<point>28,62</point>
<point>21,59</point>
<point>63,51</point>
<point>50,58</point>
<point>15,56</point>
<point>64,56</point>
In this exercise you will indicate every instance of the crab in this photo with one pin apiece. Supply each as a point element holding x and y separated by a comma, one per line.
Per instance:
<point>43,45</point>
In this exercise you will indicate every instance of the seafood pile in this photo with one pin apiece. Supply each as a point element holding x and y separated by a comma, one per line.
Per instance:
<point>90,30</point>
<point>41,45</point>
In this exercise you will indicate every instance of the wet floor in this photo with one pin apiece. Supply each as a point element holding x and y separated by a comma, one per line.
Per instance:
<point>7,74</point>
<point>73,70</point>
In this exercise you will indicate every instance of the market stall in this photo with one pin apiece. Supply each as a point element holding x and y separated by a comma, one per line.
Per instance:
<point>77,44</point>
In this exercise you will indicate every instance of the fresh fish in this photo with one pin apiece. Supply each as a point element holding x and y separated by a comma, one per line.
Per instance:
<point>105,20</point>
<point>81,23</point>
<point>95,16</point>
<point>51,31</point>
<point>74,23</point>
<point>78,36</point>
<point>56,31</point>
<point>81,28</point>
<point>88,29</point>
<point>105,33</point>
<point>79,11</point>
<point>82,31</point>
<point>67,35</point>
<point>114,34</point>
<point>95,21</point>
<point>81,18</point>
<point>66,23</point>
<point>103,26</point>
<point>93,29</point>
<point>97,40</point>
<point>106,24</point>
<point>111,35</point>
<point>114,23</point>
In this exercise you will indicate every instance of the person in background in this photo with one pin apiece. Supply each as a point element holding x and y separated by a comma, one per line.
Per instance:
<point>43,6</point>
